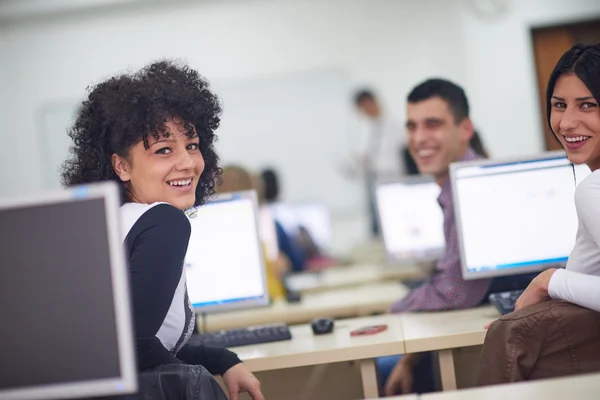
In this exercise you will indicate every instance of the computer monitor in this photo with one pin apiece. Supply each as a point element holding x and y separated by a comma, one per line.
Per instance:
<point>66,329</point>
<point>410,218</point>
<point>314,217</point>
<point>225,265</point>
<point>515,216</point>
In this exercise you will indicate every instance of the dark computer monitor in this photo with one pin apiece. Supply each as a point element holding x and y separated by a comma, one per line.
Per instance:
<point>66,328</point>
<point>515,216</point>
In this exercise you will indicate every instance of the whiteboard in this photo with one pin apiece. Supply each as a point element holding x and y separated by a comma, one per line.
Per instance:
<point>296,123</point>
<point>55,120</point>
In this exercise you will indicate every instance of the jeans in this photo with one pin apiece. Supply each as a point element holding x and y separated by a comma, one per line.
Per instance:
<point>423,378</point>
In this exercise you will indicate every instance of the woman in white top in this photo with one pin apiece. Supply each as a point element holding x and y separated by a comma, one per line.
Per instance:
<point>573,113</point>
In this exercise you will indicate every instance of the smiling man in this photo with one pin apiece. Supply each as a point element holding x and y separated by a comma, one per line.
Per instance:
<point>439,130</point>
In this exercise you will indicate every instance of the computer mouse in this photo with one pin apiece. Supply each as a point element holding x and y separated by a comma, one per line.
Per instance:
<point>322,326</point>
<point>293,297</point>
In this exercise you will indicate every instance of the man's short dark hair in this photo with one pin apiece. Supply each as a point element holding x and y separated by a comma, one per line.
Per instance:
<point>362,95</point>
<point>453,94</point>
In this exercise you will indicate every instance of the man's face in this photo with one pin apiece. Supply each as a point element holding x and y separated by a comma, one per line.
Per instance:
<point>435,138</point>
<point>369,108</point>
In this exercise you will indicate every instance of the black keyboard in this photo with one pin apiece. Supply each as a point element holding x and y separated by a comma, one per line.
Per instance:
<point>505,301</point>
<point>243,337</point>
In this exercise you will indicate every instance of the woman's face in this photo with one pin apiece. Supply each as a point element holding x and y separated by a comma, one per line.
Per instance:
<point>167,171</point>
<point>575,120</point>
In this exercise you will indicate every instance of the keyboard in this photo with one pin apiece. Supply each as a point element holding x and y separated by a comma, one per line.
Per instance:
<point>243,337</point>
<point>505,301</point>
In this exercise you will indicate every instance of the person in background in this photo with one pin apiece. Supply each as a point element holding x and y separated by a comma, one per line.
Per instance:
<point>287,244</point>
<point>439,132</point>
<point>313,256</point>
<point>573,115</point>
<point>376,153</point>
<point>235,179</point>
<point>152,132</point>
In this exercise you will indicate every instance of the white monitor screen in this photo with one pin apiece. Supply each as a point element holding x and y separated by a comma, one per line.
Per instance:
<point>515,217</point>
<point>66,326</point>
<point>312,216</point>
<point>411,218</point>
<point>224,262</point>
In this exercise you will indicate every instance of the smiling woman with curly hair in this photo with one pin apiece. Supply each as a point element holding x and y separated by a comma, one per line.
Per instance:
<point>131,109</point>
<point>153,133</point>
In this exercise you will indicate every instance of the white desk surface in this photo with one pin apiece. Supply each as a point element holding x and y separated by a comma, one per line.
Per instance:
<point>354,275</point>
<point>347,302</point>
<point>582,387</point>
<point>427,331</point>
<point>306,348</point>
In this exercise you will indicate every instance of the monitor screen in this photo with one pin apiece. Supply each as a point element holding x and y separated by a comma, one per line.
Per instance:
<point>313,217</point>
<point>224,262</point>
<point>59,278</point>
<point>515,216</point>
<point>411,218</point>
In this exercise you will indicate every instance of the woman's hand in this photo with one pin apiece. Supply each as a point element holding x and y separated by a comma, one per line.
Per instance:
<point>537,291</point>
<point>239,379</point>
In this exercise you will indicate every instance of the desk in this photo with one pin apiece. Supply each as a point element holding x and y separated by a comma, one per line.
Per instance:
<point>372,250</point>
<point>582,387</point>
<point>341,303</point>
<point>305,348</point>
<point>445,331</point>
<point>355,275</point>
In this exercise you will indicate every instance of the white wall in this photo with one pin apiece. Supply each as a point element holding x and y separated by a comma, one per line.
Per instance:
<point>4,79</point>
<point>389,44</point>
<point>500,70</point>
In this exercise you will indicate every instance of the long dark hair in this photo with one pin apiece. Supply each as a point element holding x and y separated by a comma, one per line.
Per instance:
<point>584,62</point>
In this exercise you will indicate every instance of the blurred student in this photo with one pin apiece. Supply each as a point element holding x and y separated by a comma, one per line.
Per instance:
<point>376,152</point>
<point>287,243</point>
<point>314,258</point>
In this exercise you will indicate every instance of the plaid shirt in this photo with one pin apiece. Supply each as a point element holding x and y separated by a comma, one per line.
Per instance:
<point>446,289</point>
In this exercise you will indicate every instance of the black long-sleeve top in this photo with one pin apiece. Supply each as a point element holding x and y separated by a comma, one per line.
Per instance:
<point>156,242</point>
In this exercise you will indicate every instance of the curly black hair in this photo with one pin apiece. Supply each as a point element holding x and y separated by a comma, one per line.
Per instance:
<point>125,109</point>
